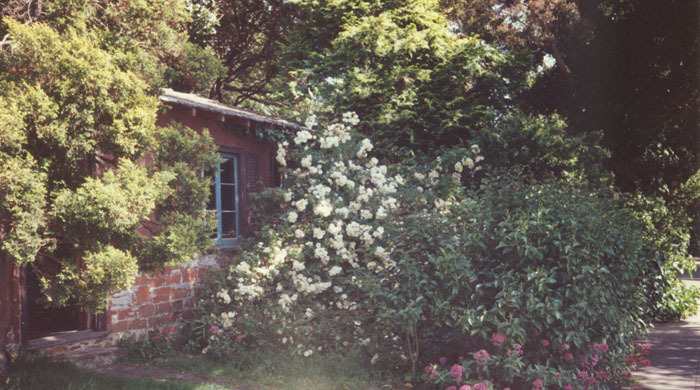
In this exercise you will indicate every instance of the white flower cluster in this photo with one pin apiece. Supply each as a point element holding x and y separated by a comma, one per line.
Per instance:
<point>224,296</point>
<point>302,137</point>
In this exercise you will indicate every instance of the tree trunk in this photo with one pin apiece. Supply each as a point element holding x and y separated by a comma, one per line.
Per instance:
<point>6,312</point>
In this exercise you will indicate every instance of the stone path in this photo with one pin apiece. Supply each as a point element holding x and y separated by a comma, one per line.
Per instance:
<point>675,352</point>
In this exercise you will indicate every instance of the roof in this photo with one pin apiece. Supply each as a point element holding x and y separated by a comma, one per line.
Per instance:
<point>194,101</point>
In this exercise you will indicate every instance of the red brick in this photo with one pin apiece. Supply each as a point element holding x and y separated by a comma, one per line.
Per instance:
<point>141,280</point>
<point>163,296</point>
<point>138,323</point>
<point>189,275</point>
<point>75,347</point>
<point>164,308</point>
<point>175,277</point>
<point>178,305</point>
<point>179,293</point>
<point>120,326</point>
<point>56,350</point>
<point>143,295</point>
<point>124,314</point>
<point>147,310</point>
<point>152,282</point>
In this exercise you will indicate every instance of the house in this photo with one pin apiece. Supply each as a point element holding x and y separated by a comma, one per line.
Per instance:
<point>247,165</point>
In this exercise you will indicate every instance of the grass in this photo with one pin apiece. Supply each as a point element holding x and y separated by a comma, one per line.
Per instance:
<point>280,371</point>
<point>31,372</point>
<point>265,371</point>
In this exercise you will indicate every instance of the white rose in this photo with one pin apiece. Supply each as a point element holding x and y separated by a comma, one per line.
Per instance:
<point>301,204</point>
<point>319,233</point>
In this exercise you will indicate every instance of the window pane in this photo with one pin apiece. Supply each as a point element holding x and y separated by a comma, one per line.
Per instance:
<point>227,171</point>
<point>228,224</point>
<point>228,198</point>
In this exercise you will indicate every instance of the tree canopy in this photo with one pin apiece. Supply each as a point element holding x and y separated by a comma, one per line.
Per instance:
<point>77,122</point>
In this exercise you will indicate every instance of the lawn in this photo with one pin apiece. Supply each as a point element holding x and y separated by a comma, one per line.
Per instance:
<point>265,372</point>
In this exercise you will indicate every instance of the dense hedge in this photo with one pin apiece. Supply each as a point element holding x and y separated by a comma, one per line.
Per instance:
<point>518,283</point>
<point>540,275</point>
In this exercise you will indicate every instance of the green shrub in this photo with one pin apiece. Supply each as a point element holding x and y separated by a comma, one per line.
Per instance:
<point>531,263</point>
<point>159,343</point>
<point>666,232</point>
<point>407,263</point>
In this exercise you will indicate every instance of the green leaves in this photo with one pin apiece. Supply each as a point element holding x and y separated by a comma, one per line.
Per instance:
<point>77,127</point>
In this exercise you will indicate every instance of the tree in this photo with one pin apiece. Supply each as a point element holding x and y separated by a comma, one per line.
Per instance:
<point>77,119</point>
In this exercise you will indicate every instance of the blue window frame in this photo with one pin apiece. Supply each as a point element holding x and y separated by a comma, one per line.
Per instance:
<point>224,199</point>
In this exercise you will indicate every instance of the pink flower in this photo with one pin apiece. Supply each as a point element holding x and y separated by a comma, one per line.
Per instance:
<point>498,338</point>
<point>565,347</point>
<point>429,369</point>
<point>545,342</point>
<point>465,387</point>
<point>517,351</point>
<point>214,329</point>
<point>568,387</point>
<point>583,374</point>
<point>598,348</point>
<point>443,360</point>
<point>480,386</point>
<point>481,357</point>
<point>456,372</point>
<point>537,384</point>
<point>170,330</point>
<point>568,356</point>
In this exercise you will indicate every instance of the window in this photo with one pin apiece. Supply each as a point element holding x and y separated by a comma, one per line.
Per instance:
<point>224,199</point>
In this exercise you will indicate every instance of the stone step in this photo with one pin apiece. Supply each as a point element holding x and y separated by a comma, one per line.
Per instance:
<point>93,358</point>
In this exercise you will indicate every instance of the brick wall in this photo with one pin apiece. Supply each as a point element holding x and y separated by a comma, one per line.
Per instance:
<point>156,298</point>
<point>152,300</point>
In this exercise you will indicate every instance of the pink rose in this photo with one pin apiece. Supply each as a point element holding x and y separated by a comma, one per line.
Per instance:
<point>545,342</point>
<point>565,347</point>
<point>480,386</point>
<point>498,339</point>
<point>465,387</point>
<point>481,357</point>
<point>214,329</point>
<point>456,372</point>
<point>568,356</point>
<point>537,384</point>
<point>443,360</point>
<point>568,387</point>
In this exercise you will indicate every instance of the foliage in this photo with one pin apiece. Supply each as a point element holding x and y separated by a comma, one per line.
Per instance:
<point>159,343</point>
<point>629,76</point>
<point>77,121</point>
<point>666,230</point>
<point>406,261</point>
<point>246,36</point>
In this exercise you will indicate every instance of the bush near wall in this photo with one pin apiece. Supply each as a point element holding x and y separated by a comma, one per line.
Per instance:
<point>539,280</point>
<point>530,283</point>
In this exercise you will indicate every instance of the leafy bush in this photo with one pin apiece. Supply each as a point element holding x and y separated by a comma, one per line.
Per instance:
<point>666,231</point>
<point>409,261</point>
<point>159,343</point>
<point>546,268</point>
